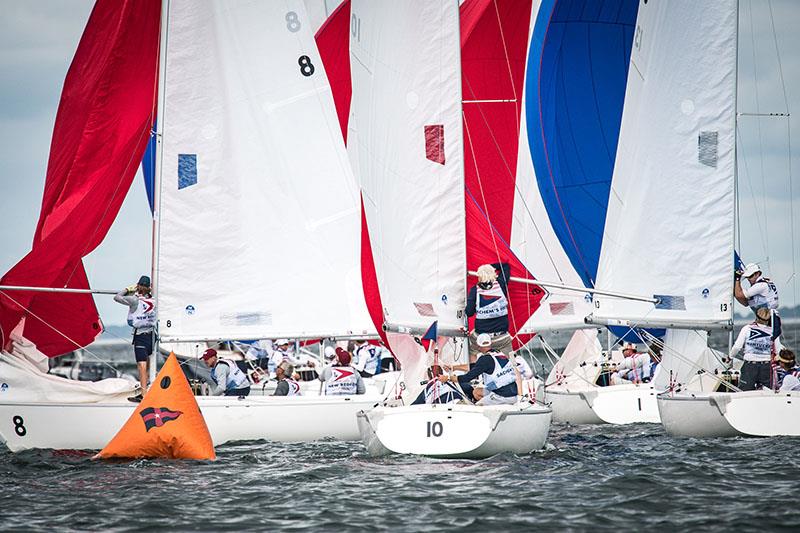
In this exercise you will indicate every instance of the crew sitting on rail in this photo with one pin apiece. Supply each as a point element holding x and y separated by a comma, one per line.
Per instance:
<point>488,302</point>
<point>762,292</point>
<point>787,371</point>
<point>634,368</point>
<point>437,392</point>
<point>367,359</point>
<point>341,379</point>
<point>287,386</point>
<point>759,345</point>
<point>501,383</point>
<point>228,378</point>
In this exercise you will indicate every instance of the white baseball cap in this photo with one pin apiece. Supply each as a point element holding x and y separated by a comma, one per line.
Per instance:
<point>281,342</point>
<point>750,269</point>
<point>484,339</point>
<point>330,352</point>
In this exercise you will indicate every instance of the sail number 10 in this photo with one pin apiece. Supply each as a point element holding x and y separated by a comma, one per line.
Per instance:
<point>435,429</point>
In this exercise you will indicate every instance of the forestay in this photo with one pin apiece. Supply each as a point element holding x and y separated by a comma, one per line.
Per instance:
<point>405,143</point>
<point>258,211</point>
<point>669,227</point>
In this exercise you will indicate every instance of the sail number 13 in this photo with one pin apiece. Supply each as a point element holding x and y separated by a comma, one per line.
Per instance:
<point>435,429</point>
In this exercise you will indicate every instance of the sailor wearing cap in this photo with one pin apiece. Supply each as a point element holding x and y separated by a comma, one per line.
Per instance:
<point>759,346</point>
<point>228,378</point>
<point>341,379</point>
<point>142,317</point>
<point>488,302</point>
<point>281,354</point>
<point>501,381</point>
<point>787,372</point>
<point>762,292</point>
<point>287,386</point>
<point>634,368</point>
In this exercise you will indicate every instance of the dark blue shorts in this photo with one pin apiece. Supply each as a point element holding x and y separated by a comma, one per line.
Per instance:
<point>143,346</point>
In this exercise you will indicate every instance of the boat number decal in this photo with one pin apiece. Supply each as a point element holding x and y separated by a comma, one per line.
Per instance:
<point>355,27</point>
<point>292,22</point>
<point>306,68</point>
<point>723,307</point>
<point>435,429</point>
<point>19,426</point>
<point>169,323</point>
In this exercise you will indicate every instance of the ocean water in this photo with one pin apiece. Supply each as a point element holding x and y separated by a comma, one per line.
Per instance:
<point>588,478</point>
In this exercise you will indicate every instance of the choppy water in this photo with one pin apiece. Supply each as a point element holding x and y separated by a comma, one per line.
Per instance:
<point>600,477</point>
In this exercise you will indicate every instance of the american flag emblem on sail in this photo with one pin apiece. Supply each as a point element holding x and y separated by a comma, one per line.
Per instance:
<point>425,309</point>
<point>561,308</point>
<point>155,417</point>
<point>434,143</point>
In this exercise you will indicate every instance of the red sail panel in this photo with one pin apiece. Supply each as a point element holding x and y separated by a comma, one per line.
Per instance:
<point>369,279</point>
<point>101,130</point>
<point>494,42</point>
<point>333,42</point>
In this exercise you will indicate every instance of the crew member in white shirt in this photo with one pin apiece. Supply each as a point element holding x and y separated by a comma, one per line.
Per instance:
<point>759,346</point>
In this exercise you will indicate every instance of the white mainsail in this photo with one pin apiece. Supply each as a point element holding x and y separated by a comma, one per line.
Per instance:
<point>405,143</point>
<point>258,211</point>
<point>669,227</point>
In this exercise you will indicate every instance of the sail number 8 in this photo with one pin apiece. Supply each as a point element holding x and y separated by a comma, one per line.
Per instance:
<point>435,429</point>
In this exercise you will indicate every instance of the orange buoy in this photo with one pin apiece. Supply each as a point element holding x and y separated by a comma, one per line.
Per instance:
<point>166,424</point>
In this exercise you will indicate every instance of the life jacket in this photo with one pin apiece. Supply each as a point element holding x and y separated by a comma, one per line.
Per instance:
<point>491,302</point>
<point>369,352</point>
<point>294,387</point>
<point>438,392</point>
<point>343,381</point>
<point>500,376</point>
<point>144,316</point>
<point>236,378</point>
<point>759,343</point>
<point>770,300</point>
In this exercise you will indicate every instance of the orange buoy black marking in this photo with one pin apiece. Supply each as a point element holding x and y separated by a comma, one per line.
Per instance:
<point>166,424</point>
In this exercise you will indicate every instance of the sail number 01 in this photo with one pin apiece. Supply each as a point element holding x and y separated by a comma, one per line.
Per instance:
<point>435,429</point>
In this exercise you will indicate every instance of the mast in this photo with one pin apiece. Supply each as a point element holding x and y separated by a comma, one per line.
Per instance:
<point>735,158</point>
<point>162,73</point>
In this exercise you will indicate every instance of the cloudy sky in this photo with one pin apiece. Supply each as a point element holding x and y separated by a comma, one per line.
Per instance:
<point>38,39</point>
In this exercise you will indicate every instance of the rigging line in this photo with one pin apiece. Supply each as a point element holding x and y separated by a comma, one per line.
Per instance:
<point>55,329</point>
<point>508,62</point>
<point>778,55</point>
<point>765,235</point>
<point>740,135</point>
<point>486,211</point>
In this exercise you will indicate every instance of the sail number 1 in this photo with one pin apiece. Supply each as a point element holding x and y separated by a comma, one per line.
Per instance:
<point>435,429</point>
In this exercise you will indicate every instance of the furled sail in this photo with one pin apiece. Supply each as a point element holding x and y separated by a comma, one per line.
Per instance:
<point>669,228</point>
<point>100,133</point>
<point>258,209</point>
<point>405,144</point>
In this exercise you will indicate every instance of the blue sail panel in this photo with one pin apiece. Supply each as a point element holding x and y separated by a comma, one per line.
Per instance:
<point>577,72</point>
<point>149,166</point>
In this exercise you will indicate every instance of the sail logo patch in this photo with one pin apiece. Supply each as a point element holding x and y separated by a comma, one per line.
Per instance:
<point>155,417</point>
<point>187,170</point>
<point>488,299</point>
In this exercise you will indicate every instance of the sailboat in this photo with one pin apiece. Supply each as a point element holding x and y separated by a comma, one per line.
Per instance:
<point>407,138</point>
<point>256,210</point>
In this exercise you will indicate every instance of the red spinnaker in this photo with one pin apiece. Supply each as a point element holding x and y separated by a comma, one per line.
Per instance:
<point>101,130</point>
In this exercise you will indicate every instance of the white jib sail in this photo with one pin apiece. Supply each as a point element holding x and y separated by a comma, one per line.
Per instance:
<point>405,142</point>
<point>258,212</point>
<point>669,227</point>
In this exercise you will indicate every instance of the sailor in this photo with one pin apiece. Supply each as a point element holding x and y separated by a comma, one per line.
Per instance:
<point>488,302</point>
<point>436,391</point>
<point>759,346</point>
<point>142,318</point>
<point>655,359</point>
<point>787,371</point>
<point>388,362</point>
<point>525,370</point>
<point>500,376</point>
<point>287,386</point>
<point>341,379</point>
<point>367,359</point>
<point>633,368</point>
<point>762,292</point>
<point>281,354</point>
<point>228,378</point>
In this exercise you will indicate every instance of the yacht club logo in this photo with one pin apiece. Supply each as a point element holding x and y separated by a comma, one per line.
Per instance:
<point>155,417</point>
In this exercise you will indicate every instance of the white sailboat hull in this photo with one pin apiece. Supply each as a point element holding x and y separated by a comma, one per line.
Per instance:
<point>615,404</point>
<point>455,430</point>
<point>90,426</point>
<point>761,413</point>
